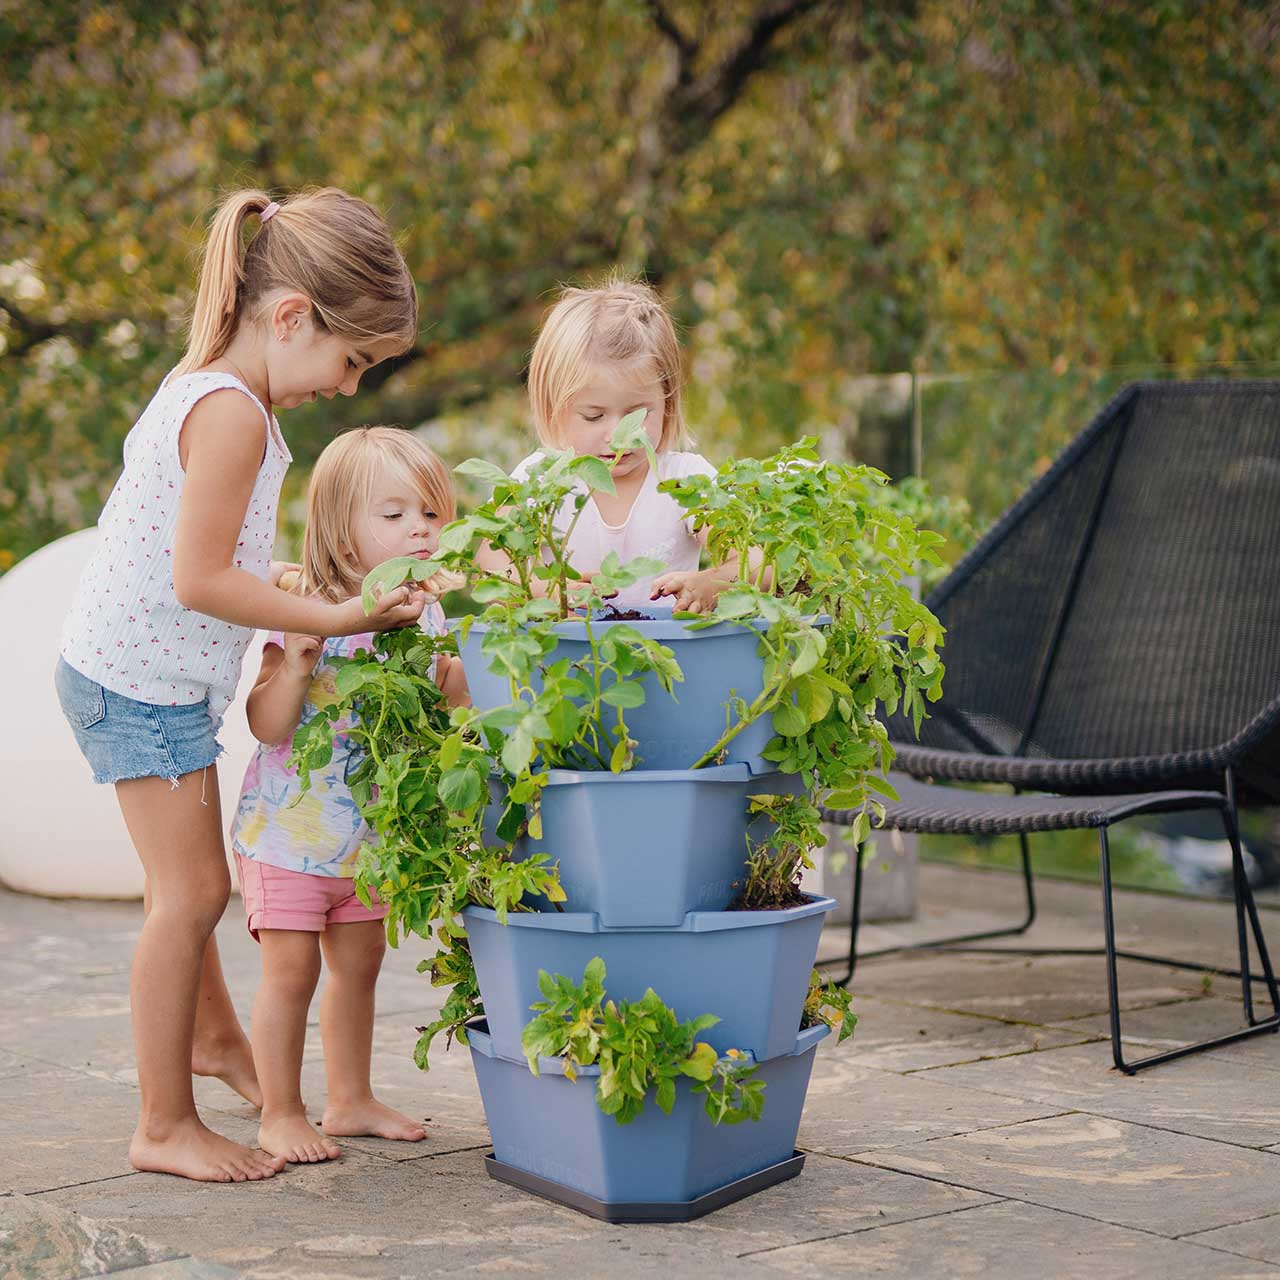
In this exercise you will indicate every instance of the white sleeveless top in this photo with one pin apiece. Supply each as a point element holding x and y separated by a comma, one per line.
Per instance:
<point>126,629</point>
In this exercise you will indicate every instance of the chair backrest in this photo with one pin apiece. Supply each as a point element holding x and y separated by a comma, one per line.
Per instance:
<point>1129,603</point>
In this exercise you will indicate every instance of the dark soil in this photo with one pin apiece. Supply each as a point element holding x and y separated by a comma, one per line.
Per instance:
<point>611,613</point>
<point>791,896</point>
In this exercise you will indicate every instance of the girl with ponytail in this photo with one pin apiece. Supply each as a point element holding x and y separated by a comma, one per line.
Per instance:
<point>296,300</point>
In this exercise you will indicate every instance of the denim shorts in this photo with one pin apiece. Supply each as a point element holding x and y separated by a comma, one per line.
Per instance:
<point>123,738</point>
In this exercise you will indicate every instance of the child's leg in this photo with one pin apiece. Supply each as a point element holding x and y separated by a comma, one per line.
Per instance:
<point>221,1048</point>
<point>179,840</point>
<point>290,968</point>
<point>353,955</point>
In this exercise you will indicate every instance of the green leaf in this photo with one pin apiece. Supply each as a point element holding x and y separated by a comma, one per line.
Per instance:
<point>628,694</point>
<point>701,1062</point>
<point>460,789</point>
<point>594,472</point>
<point>789,720</point>
<point>450,751</point>
<point>480,469</point>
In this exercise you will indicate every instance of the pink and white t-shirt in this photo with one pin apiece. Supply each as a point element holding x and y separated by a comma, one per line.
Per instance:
<point>125,628</point>
<point>656,525</point>
<point>317,832</point>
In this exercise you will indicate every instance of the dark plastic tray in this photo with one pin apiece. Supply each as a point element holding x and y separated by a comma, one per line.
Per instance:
<point>639,1211</point>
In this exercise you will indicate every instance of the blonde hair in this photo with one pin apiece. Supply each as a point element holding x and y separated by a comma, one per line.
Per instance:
<point>329,245</point>
<point>621,321</point>
<point>341,489</point>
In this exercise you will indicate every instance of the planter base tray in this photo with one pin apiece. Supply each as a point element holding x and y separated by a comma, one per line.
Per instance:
<point>641,1211</point>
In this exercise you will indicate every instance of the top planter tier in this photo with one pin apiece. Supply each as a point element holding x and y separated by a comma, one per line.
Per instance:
<point>718,663</point>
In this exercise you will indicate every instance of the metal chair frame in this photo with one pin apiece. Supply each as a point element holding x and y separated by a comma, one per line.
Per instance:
<point>1255,750</point>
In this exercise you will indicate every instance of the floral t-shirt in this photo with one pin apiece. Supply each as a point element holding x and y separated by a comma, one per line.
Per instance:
<point>319,834</point>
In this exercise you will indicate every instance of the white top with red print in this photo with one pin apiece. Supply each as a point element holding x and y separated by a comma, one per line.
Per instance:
<point>125,628</point>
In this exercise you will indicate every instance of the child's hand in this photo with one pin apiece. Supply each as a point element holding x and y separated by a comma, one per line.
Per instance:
<point>694,591</point>
<point>301,654</point>
<point>277,569</point>
<point>400,607</point>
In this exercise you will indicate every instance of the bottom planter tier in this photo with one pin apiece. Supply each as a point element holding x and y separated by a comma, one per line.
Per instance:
<point>749,968</point>
<point>551,1138</point>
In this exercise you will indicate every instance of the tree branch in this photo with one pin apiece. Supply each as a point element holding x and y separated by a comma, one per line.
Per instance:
<point>686,48</point>
<point>697,105</point>
<point>32,332</point>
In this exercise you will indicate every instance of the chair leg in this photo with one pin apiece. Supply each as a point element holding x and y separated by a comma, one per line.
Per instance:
<point>1245,905</point>
<point>1244,901</point>
<point>851,963</point>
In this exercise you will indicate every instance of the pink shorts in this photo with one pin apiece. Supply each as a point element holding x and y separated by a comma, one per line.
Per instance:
<point>275,898</point>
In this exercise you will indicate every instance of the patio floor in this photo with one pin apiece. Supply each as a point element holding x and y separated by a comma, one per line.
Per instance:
<point>972,1127</point>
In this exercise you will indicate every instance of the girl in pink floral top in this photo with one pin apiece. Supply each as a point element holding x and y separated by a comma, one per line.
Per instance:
<point>375,493</point>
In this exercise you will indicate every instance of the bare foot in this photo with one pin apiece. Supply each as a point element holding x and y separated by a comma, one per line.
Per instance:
<point>370,1118</point>
<point>232,1063</point>
<point>288,1134</point>
<point>191,1150</point>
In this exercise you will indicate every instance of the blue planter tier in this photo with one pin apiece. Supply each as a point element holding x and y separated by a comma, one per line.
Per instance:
<point>718,663</point>
<point>657,1168</point>
<point>642,849</point>
<point>751,968</point>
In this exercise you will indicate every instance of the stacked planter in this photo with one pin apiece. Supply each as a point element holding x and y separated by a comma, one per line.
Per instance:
<point>649,861</point>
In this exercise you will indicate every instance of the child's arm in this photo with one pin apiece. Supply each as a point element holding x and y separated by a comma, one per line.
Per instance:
<point>220,448</point>
<point>451,680</point>
<point>275,702</point>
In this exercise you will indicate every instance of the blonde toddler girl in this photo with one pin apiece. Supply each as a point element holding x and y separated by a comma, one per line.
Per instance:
<point>375,493</point>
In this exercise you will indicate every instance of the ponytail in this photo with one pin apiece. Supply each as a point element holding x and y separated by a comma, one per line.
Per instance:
<point>216,314</point>
<point>326,244</point>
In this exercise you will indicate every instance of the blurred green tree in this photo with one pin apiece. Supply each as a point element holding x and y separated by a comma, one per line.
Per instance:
<point>826,188</point>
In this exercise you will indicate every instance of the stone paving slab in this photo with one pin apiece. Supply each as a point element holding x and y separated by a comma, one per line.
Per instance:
<point>437,1216</point>
<point>1010,1241</point>
<point>59,1128</point>
<point>1162,1027</point>
<point>13,1065</point>
<point>1258,1239</point>
<point>95,1037</point>
<point>1126,1174</point>
<point>1043,990</point>
<point>1220,1098</point>
<point>183,1269</point>
<point>850,1109</point>
<point>896,1037</point>
<point>40,1241</point>
<point>68,1104</point>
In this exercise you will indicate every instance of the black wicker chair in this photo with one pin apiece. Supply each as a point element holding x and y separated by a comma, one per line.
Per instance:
<point>1115,640</point>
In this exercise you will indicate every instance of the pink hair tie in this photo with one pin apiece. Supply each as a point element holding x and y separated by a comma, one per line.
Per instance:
<point>269,212</point>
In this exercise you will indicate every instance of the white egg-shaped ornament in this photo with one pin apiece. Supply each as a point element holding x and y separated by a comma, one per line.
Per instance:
<point>62,834</point>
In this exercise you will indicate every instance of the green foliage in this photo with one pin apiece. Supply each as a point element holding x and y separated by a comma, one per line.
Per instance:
<point>641,1048</point>
<point>561,713</point>
<point>422,785</point>
<point>829,1006</point>
<point>841,633</point>
<point>776,864</point>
